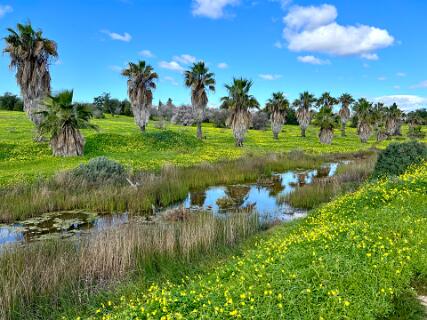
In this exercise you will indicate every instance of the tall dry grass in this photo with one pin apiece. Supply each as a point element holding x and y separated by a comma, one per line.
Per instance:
<point>49,273</point>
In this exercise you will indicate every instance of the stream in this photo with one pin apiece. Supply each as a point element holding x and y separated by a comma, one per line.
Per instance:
<point>261,196</point>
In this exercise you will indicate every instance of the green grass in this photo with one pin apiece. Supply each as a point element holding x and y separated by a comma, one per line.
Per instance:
<point>120,139</point>
<point>354,258</point>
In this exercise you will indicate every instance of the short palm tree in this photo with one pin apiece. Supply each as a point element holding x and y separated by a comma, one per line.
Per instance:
<point>141,83</point>
<point>238,103</point>
<point>277,107</point>
<point>378,117</point>
<point>29,54</point>
<point>393,120</point>
<point>62,120</point>
<point>304,112</point>
<point>327,121</point>
<point>346,101</point>
<point>363,110</point>
<point>199,80</point>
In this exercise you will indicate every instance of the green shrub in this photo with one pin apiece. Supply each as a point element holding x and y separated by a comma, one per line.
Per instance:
<point>397,157</point>
<point>101,170</point>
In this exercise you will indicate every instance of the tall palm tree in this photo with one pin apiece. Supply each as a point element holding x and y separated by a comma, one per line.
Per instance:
<point>30,54</point>
<point>238,103</point>
<point>346,101</point>
<point>304,112</point>
<point>327,121</point>
<point>141,83</point>
<point>393,120</point>
<point>199,80</point>
<point>378,118</point>
<point>277,107</point>
<point>62,120</point>
<point>363,110</point>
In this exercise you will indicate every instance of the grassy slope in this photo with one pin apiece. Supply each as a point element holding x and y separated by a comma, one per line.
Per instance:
<point>120,139</point>
<point>353,258</point>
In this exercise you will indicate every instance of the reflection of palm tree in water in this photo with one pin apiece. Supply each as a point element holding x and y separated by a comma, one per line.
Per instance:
<point>198,198</point>
<point>234,197</point>
<point>301,178</point>
<point>322,172</point>
<point>276,186</point>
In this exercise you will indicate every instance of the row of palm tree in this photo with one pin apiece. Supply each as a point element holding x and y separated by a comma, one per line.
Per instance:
<point>30,54</point>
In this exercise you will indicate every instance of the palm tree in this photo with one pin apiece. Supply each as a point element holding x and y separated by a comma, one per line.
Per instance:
<point>199,79</point>
<point>363,110</point>
<point>62,120</point>
<point>277,107</point>
<point>238,102</point>
<point>327,121</point>
<point>346,101</point>
<point>378,117</point>
<point>393,120</point>
<point>304,112</point>
<point>29,54</point>
<point>141,83</point>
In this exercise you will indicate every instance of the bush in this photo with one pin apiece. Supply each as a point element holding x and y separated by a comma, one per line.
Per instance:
<point>259,120</point>
<point>218,117</point>
<point>184,116</point>
<point>397,157</point>
<point>101,170</point>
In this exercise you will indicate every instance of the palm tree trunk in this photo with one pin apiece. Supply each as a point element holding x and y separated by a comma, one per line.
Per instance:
<point>240,124</point>
<point>343,128</point>
<point>199,130</point>
<point>326,135</point>
<point>141,115</point>
<point>364,131</point>
<point>277,125</point>
<point>68,143</point>
<point>302,132</point>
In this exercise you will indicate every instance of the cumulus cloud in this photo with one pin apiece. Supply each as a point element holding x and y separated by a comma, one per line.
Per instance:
<point>185,59</point>
<point>314,29</point>
<point>270,77</point>
<point>405,102</point>
<point>171,80</point>
<point>213,9</point>
<point>125,37</point>
<point>312,60</point>
<point>222,65</point>
<point>172,65</point>
<point>422,84</point>
<point>278,45</point>
<point>5,9</point>
<point>146,54</point>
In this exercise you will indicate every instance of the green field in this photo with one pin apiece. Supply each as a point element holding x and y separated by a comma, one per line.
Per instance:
<point>120,139</point>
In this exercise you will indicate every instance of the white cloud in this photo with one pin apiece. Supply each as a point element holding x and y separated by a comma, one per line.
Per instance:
<point>213,9</point>
<point>382,78</point>
<point>116,68</point>
<point>278,45</point>
<point>146,53</point>
<point>172,65</point>
<point>397,87</point>
<point>405,102</point>
<point>401,74</point>
<point>125,37</point>
<point>185,59</point>
<point>422,84</point>
<point>222,65</point>
<point>171,80</point>
<point>370,56</point>
<point>313,28</point>
<point>270,77</point>
<point>283,3</point>
<point>5,9</point>
<point>312,60</point>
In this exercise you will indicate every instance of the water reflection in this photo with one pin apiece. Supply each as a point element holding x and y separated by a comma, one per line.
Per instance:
<point>261,196</point>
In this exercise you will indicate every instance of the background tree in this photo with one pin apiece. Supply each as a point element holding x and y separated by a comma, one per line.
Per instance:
<point>393,120</point>
<point>62,121</point>
<point>199,80</point>
<point>277,107</point>
<point>325,118</point>
<point>346,101</point>
<point>29,54</point>
<point>141,83</point>
<point>11,102</point>
<point>378,117</point>
<point>363,110</point>
<point>304,112</point>
<point>238,103</point>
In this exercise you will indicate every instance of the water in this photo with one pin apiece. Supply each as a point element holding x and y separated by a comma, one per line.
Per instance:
<point>261,196</point>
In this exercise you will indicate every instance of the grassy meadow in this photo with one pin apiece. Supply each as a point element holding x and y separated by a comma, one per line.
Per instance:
<point>120,139</point>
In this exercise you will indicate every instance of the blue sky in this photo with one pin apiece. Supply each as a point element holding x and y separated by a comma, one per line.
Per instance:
<point>376,49</point>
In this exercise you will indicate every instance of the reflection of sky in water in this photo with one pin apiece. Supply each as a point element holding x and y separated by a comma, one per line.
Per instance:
<point>262,198</point>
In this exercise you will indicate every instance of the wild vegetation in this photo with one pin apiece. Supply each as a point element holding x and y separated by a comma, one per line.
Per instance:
<point>341,262</point>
